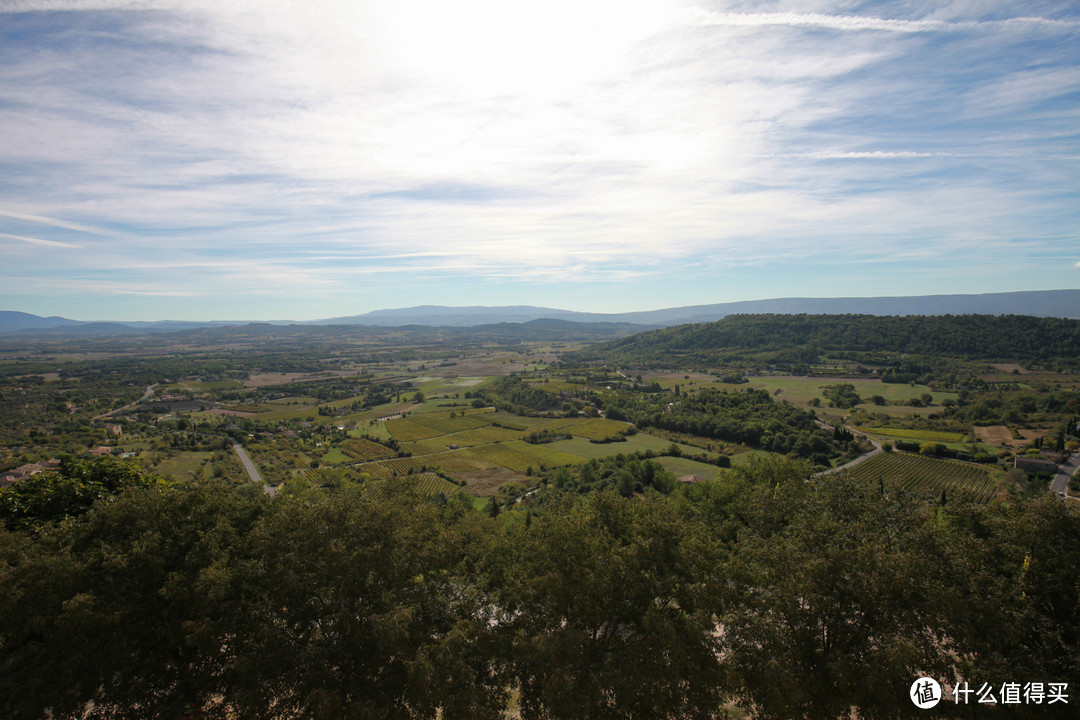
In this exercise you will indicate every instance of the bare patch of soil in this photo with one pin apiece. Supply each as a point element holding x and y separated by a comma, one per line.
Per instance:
<point>1001,435</point>
<point>993,435</point>
<point>264,379</point>
<point>1030,435</point>
<point>484,483</point>
<point>1010,367</point>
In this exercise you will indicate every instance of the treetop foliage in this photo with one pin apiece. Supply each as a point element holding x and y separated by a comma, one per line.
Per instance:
<point>70,490</point>
<point>786,596</point>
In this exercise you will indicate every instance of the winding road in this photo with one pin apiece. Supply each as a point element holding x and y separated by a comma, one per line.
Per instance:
<point>848,465</point>
<point>252,471</point>
<point>148,393</point>
<point>1060,483</point>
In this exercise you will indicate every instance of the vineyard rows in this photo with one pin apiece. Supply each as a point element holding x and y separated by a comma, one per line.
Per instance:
<point>453,461</point>
<point>431,484</point>
<point>425,484</point>
<point>599,429</point>
<point>928,476</point>
<point>364,450</point>
<point>483,436</point>
<point>563,424</point>
<point>520,456</point>
<point>407,430</point>
<point>425,447</point>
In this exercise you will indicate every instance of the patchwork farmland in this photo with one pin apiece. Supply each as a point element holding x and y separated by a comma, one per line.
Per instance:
<point>477,441</point>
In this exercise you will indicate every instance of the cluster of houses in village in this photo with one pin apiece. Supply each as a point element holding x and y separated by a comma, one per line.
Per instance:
<point>23,472</point>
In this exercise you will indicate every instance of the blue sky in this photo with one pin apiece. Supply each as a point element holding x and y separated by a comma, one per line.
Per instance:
<point>210,159</point>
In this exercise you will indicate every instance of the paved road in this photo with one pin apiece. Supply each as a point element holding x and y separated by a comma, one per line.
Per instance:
<point>1060,483</point>
<point>866,456</point>
<point>252,471</point>
<point>149,391</point>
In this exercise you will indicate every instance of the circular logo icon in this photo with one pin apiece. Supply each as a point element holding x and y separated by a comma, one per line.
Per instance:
<point>925,693</point>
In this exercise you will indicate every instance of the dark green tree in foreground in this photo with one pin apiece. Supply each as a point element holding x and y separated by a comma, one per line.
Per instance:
<point>601,613</point>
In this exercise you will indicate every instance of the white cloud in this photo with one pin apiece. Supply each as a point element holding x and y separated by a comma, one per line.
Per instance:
<point>55,222</point>
<point>857,23</point>
<point>868,155</point>
<point>39,241</point>
<point>1024,88</point>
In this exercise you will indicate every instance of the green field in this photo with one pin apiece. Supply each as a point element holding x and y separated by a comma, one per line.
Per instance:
<point>426,447</point>
<point>745,457</point>
<point>520,456</point>
<point>482,436</point>
<point>285,412</point>
<point>634,443</point>
<point>599,428</point>
<point>511,420</point>
<point>928,476</point>
<point>185,466</point>
<point>443,424</point>
<point>334,456</point>
<point>800,390</point>
<point>211,385</point>
<point>562,424</point>
<point>296,400</point>
<point>405,430</point>
<point>681,466</point>
<point>924,435</point>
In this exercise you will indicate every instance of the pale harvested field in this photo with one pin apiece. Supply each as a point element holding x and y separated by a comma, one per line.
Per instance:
<point>1001,435</point>
<point>1010,367</point>
<point>1030,435</point>
<point>484,483</point>
<point>264,379</point>
<point>993,435</point>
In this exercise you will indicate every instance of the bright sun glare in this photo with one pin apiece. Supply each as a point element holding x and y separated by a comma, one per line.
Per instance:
<point>492,47</point>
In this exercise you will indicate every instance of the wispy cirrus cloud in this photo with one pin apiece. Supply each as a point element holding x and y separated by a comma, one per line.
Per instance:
<point>39,219</point>
<point>858,23</point>
<point>38,241</point>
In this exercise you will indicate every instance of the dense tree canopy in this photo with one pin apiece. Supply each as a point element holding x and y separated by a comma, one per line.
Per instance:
<point>786,596</point>
<point>804,339</point>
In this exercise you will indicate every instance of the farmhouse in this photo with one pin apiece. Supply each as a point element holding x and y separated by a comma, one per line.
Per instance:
<point>1035,464</point>
<point>25,471</point>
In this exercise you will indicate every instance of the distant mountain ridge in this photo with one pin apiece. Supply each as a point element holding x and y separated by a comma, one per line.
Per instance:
<point>1036,303</point>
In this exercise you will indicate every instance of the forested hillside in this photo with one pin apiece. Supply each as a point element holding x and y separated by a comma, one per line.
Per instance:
<point>806,338</point>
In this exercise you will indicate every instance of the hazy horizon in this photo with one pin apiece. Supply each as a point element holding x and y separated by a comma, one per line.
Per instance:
<point>197,160</point>
<point>387,312</point>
